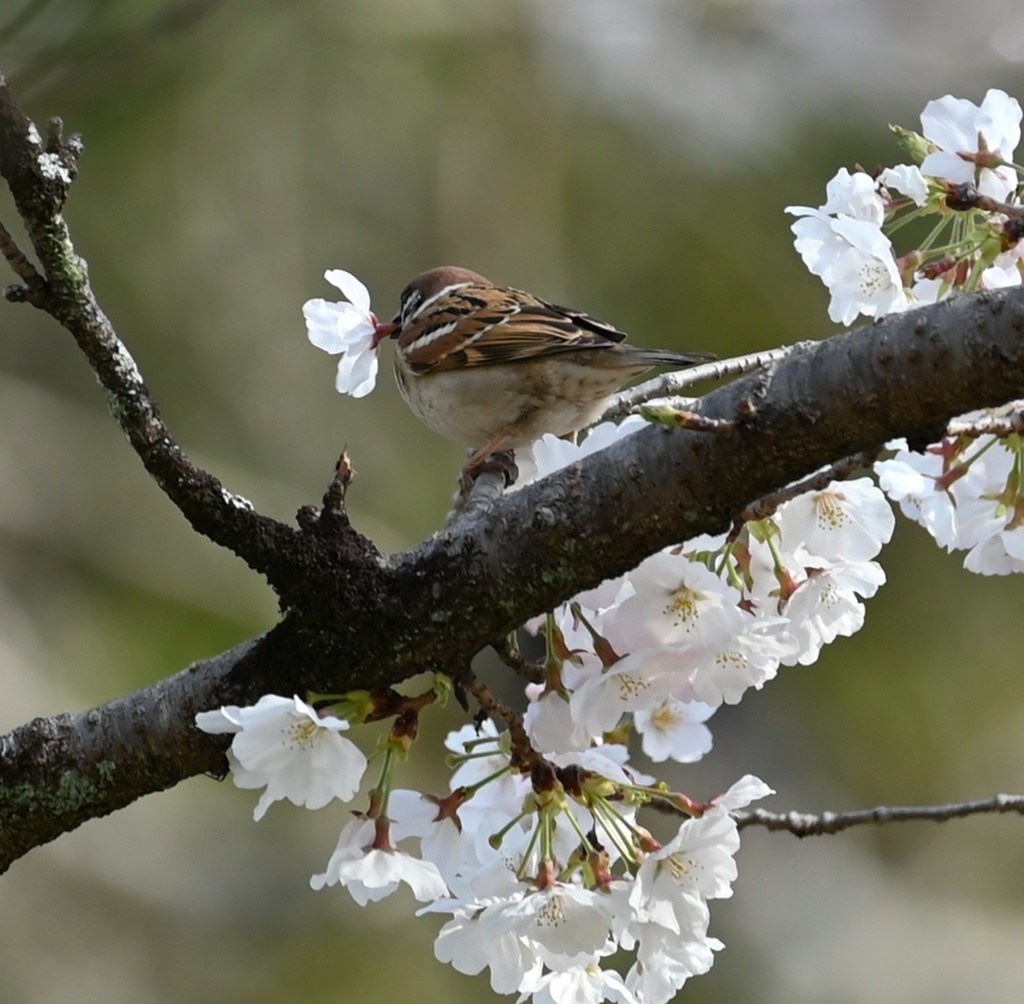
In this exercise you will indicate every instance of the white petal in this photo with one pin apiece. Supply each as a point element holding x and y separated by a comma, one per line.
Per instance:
<point>322,325</point>
<point>355,292</point>
<point>746,790</point>
<point>354,328</point>
<point>357,373</point>
<point>217,721</point>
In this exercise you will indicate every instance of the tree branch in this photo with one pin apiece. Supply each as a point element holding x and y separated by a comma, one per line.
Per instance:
<point>669,384</point>
<point>435,606</point>
<point>55,773</point>
<point>820,480</point>
<point>40,177</point>
<point>805,824</point>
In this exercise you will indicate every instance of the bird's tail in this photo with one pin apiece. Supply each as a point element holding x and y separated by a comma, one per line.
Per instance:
<point>677,360</point>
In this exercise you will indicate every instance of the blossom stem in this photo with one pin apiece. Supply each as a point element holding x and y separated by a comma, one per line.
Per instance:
<point>381,793</point>
<point>471,789</point>
<point>616,827</point>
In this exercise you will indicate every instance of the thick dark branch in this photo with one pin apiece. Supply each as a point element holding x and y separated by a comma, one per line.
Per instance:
<point>806,824</point>
<point>56,773</point>
<point>826,400</point>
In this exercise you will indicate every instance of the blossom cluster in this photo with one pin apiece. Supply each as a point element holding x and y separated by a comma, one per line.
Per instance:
<point>964,175</point>
<point>537,855</point>
<point>966,490</point>
<point>697,625</point>
<point>543,868</point>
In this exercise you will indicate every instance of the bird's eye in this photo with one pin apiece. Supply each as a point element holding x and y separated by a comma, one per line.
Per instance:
<point>411,299</point>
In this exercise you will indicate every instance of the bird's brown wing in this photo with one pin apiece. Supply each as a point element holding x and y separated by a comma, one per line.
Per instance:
<point>483,325</point>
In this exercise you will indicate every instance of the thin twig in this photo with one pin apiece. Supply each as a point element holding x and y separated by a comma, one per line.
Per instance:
<point>669,412</point>
<point>533,672</point>
<point>20,265</point>
<point>39,179</point>
<point>966,196</point>
<point>805,824</point>
<point>763,507</point>
<point>671,384</point>
<point>498,473</point>
<point>498,710</point>
<point>1009,424</point>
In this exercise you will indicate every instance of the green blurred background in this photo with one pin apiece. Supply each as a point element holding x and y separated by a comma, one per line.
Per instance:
<point>628,156</point>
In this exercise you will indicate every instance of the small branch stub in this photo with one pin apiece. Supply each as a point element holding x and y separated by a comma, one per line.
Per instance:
<point>333,510</point>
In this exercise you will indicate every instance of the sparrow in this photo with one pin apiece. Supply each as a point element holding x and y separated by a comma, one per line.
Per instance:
<point>494,368</point>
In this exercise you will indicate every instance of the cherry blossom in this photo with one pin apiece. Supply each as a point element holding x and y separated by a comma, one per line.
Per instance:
<point>282,744</point>
<point>750,660</point>
<point>370,873</point>
<point>968,496</point>
<point>551,453</point>
<point>470,948</point>
<point>580,985</point>
<point>915,481</point>
<point>849,519</point>
<point>537,856</point>
<point>827,603</point>
<point>676,601</point>
<point>865,278</point>
<point>957,126</point>
<point>551,725</point>
<point>640,680</point>
<point>908,180</point>
<point>854,196</point>
<point>990,509</point>
<point>665,962</point>
<point>559,923</point>
<point>349,328</point>
<point>675,730</point>
<point>854,259</point>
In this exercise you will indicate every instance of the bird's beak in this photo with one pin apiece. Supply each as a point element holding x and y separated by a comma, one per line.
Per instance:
<point>383,331</point>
